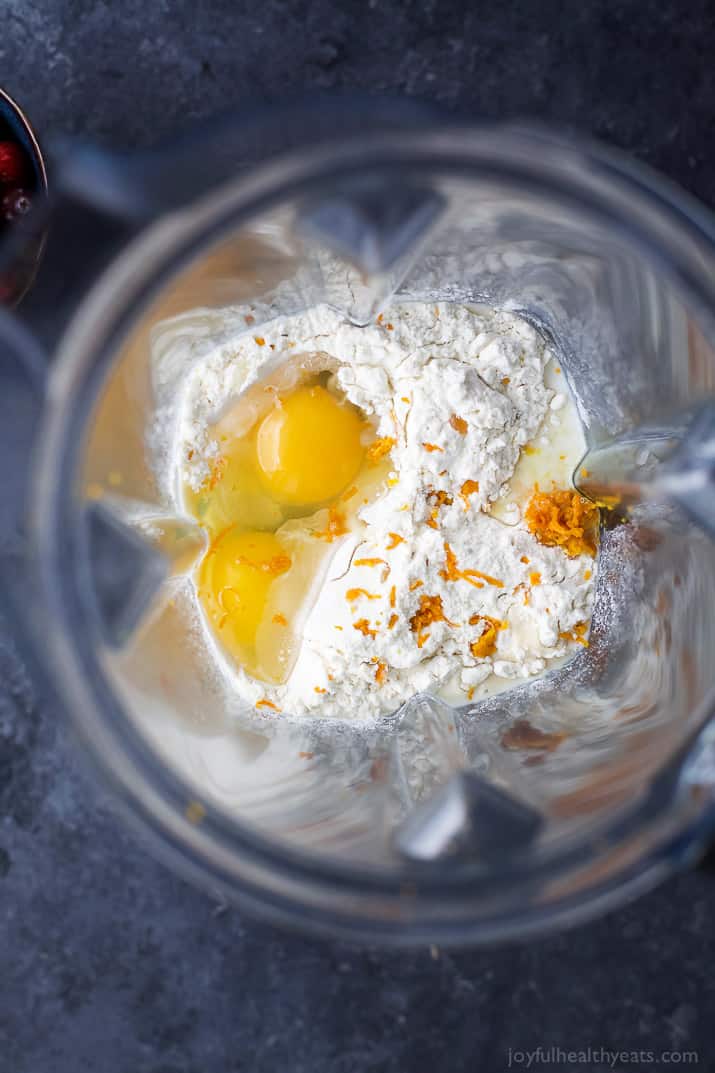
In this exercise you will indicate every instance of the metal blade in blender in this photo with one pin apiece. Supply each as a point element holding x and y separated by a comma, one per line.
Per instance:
<point>131,554</point>
<point>469,817</point>
<point>449,806</point>
<point>372,232</point>
<point>424,752</point>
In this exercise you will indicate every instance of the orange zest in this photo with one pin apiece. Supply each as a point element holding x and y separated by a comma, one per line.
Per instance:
<point>363,626</point>
<point>395,539</point>
<point>459,424</point>
<point>265,703</point>
<point>380,671</point>
<point>392,621</point>
<point>217,468</point>
<point>379,449</point>
<point>432,447</point>
<point>277,564</point>
<point>392,596</point>
<point>279,619</point>
<point>496,622</point>
<point>369,562</point>
<point>218,538</point>
<point>535,578</point>
<point>319,689</point>
<point>522,587</point>
<point>442,499</point>
<point>452,572</point>
<point>355,594</point>
<point>486,643</point>
<point>336,526</point>
<point>563,519</point>
<point>429,611</point>
<point>577,634</point>
<point>467,489</point>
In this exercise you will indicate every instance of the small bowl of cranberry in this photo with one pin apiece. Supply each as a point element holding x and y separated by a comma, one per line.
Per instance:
<point>23,183</point>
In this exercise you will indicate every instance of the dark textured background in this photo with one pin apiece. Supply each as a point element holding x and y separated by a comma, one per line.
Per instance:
<point>108,963</point>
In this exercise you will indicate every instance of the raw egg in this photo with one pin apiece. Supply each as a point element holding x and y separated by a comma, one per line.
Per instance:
<point>309,447</point>
<point>234,582</point>
<point>272,505</point>
<point>234,493</point>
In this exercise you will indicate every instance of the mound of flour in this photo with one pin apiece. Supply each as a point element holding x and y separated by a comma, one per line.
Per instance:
<point>458,393</point>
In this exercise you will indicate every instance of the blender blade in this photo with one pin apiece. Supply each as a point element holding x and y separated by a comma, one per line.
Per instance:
<point>374,230</point>
<point>131,554</point>
<point>469,817</point>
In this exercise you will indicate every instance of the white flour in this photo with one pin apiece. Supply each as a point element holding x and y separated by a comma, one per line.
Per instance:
<point>460,392</point>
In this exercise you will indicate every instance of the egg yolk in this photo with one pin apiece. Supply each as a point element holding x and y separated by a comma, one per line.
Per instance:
<point>263,504</point>
<point>309,447</point>
<point>235,578</point>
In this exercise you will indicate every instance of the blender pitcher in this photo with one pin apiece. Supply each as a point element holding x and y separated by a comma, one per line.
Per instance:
<point>526,810</point>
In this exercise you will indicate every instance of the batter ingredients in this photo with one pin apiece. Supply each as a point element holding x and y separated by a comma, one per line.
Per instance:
<point>371,533</point>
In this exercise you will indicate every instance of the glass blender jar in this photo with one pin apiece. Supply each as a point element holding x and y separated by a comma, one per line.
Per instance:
<point>325,825</point>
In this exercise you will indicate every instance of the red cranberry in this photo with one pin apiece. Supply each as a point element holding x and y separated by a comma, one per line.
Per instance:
<point>15,203</point>
<point>12,163</point>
